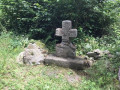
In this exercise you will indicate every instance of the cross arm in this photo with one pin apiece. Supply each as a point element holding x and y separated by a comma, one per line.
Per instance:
<point>58,32</point>
<point>73,33</point>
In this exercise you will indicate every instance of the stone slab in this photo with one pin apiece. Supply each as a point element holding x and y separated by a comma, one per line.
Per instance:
<point>77,63</point>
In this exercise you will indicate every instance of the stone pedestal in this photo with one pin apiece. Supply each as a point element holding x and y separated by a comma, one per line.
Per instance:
<point>63,50</point>
<point>76,63</point>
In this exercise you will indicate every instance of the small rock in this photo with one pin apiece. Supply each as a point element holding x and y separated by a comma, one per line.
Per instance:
<point>90,62</point>
<point>111,56</point>
<point>97,57</point>
<point>91,54</point>
<point>91,58</point>
<point>20,58</point>
<point>86,57</point>
<point>96,54</point>
<point>106,52</point>
<point>98,51</point>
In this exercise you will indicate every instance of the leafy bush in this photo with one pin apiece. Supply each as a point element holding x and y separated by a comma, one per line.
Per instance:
<point>104,72</point>
<point>40,18</point>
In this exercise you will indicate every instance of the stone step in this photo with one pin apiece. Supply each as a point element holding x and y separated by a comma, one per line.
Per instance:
<point>76,63</point>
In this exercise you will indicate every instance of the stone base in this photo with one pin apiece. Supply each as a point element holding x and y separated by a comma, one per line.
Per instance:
<point>77,63</point>
<point>63,50</point>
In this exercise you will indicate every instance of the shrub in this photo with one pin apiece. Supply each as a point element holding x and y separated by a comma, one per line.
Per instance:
<point>40,18</point>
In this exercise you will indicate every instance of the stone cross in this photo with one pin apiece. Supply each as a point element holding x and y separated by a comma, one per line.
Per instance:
<point>66,48</point>
<point>66,31</point>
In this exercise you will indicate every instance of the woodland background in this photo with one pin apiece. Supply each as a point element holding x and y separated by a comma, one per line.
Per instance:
<point>25,21</point>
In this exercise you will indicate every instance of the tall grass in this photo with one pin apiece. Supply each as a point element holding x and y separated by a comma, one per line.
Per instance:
<point>102,76</point>
<point>10,46</point>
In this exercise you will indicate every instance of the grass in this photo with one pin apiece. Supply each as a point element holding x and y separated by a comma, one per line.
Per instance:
<point>14,76</point>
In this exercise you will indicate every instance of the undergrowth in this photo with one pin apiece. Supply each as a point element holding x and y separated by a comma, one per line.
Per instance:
<point>101,76</point>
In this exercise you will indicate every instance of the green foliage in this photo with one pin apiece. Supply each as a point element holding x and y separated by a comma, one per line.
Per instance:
<point>85,43</point>
<point>10,46</point>
<point>89,85</point>
<point>104,72</point>
<point>102,76</point>
<point>40,18</point>
<point>16,76</point>
<point>112,9</point>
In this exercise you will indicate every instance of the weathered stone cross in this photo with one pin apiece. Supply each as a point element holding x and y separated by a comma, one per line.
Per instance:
<point>65,54</point>
<point>66,48</point>
<point>66,31</point>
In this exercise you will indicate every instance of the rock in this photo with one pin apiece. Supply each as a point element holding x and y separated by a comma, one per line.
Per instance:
<point>97,57</point>
<point>110,56</point>
<point>106,52</point>
<point>90,62</point>
<point>86,57</point>
<point>97,53</point>
<point>20,58</point>
<point>91,58</point>
<point>32,55</point>
<point>91,54</point>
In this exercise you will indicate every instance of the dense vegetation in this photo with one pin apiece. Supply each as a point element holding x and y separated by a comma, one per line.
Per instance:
<point>98,24</point>
<point>40,18</point>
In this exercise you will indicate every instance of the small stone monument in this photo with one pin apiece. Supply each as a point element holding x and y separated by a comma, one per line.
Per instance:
<point>66,48</point>
<point>65,55</point>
